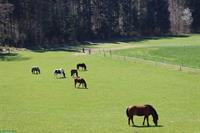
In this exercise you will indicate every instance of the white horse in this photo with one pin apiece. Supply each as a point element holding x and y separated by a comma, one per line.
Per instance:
<point>59,72</point>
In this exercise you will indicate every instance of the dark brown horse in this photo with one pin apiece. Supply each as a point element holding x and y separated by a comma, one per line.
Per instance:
<point>81,81</point>
<point>145,111</point>
<point>82,65</point>
<point>74,72</point>
<point>35,70</point>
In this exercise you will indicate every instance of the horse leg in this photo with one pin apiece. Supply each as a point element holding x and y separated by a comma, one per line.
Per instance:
<point>129,121</point>
<point>144,120</point>
<point>132,121</point>
<point>79,85</point>
<point>147,120</point>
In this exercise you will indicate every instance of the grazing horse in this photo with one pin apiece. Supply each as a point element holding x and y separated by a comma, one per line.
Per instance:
<point>59,72</point>
<point>35,70</point>
<point>145,111</point>
<point>81,81</point>
<point>74,72</point>
<point>82,65</point>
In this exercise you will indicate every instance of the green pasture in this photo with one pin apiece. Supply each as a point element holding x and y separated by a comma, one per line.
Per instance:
<point>181,55</point>
<point>43,104</point>
<point>183,50</point>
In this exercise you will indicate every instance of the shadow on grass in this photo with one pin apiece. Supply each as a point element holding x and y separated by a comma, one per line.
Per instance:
<point>12,57</point>
<point>77,46</point>
<point>82,88</point>
<point>143,126</point>
<point>60,78</point>
<point>135,39</point>
<point>56,49</point>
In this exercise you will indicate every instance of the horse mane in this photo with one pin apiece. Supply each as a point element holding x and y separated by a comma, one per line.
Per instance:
<point>155,114</point>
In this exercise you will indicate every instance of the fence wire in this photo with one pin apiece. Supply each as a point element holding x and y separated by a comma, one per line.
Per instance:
<point>109,54</point>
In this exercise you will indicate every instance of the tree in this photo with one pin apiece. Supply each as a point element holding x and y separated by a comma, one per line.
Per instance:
<point>6,23</point>
<point>187,19</point>
<point>194,6</point>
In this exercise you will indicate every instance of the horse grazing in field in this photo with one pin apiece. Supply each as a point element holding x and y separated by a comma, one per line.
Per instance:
<point>82,65</point>
<point>59,72</point>
<point>35,70</point>
<point>145,111</point>
<point>74,72</point>
<point>81,81</point>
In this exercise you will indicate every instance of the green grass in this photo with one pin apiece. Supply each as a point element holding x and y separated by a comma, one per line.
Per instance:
<point>185,51</point>
<point>42,104</point>
<point>187,55</point>
<point>189,40</point>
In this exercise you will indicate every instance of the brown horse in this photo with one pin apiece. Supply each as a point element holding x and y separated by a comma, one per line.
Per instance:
<point>145,111</point>
<point>81,81</point>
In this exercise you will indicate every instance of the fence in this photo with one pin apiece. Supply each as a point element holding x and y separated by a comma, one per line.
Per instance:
<point>108,53</point>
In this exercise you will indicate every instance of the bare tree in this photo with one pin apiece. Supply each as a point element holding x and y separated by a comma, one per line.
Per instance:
<point>187,19</point>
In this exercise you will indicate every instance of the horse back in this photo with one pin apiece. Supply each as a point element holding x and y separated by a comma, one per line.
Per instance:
<point>138,110</point>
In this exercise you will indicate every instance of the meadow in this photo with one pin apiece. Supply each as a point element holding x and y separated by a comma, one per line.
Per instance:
<point>178,50</point>
<point>43,104</point>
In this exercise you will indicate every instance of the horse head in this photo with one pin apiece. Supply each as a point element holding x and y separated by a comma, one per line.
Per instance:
<point>154,114</point>
<point>155,118</point>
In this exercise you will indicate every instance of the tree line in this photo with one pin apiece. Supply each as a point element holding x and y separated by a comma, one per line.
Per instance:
<point>47,23</point>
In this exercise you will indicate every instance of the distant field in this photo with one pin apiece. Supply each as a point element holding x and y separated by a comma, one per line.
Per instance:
<point>44,104</point>
<point>186,55</point>
<point>185,51</point>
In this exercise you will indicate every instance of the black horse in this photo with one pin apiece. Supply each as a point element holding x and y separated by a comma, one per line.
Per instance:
<point>74,72</point>
<point>144,110</point>
<point>59,72</point>
<point>35,70</point>
<point>82,65</point>
<point>81,81</point>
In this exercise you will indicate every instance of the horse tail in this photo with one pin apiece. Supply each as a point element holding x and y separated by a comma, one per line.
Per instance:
<point>127,112</point>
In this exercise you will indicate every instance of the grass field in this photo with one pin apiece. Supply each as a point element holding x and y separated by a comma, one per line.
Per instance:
<point>43,104</point>
<point>180,50</point>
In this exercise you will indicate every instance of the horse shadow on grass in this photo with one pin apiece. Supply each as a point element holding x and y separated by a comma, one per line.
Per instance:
<point>61,78</point>
<point>81,88</point>
<point>144,126</point>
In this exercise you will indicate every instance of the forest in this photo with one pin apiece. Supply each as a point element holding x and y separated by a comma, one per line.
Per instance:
<point>50,23</point>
